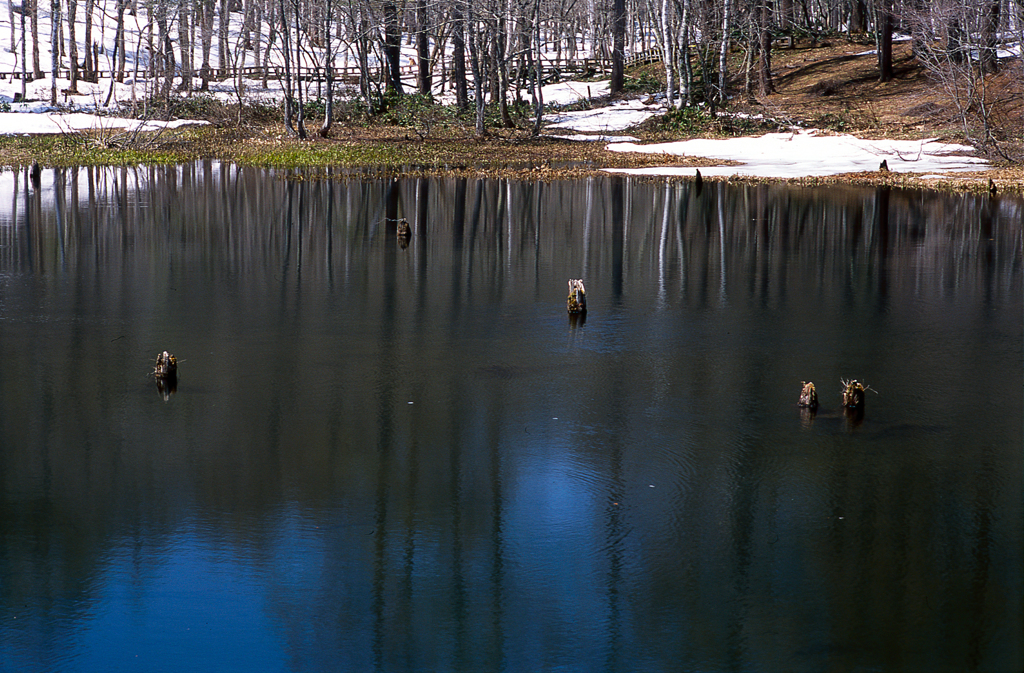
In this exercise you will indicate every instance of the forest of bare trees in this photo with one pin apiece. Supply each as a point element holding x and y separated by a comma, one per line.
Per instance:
<point>484,51</point>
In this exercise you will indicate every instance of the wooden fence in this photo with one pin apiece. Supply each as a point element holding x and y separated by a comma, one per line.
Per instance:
<point>551,69</point>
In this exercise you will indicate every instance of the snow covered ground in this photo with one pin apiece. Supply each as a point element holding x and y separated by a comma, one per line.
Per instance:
<point>808,153</point>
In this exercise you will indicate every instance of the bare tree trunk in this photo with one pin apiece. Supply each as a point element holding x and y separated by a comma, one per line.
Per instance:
<point>206,37</point>
<point>224,52</point>
<point>989,37</point>
<point>90,65</point>
<point>618,46</point>
<point>271,22</point>
<point>765,85</point>
<point>759,61</point>
<point>459,57</point>
<point>885,73</point>
<point>286,50</point>
<point>300,112</point>
<point>185,44</point>
<point>54,48</point>
<point>723,52</point>
<point>422,49</point>
<point>501,69</point>
<point>325,128</point>
<point>13,49</point>
<point>73,45</point>
<point>165,56</point>
<point>478,74</point>
<point>121,41</point>
<point>858,16</point>
<point>538,93</point>
<point>667,48</point>
<point>920,31</point>
<point>37,71</point>
<point>392,46</point>
<point>24,60</point>
<point>685,71</point>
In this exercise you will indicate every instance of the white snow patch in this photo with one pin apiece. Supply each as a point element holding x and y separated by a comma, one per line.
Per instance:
<point>601,138</point>
<point>615,117</point>
<point>807,154</point>
<point>16,123</point>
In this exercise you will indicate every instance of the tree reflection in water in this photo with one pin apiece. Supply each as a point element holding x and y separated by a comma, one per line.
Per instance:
<point>407,458</point>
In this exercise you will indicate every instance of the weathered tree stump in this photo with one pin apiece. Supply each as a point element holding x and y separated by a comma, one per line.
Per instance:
<point>166,366</point>
<point>808,396</point>
<point>853,395</point>
<point>165,371</point>
<point>577,301</point>
<point>884,166</point>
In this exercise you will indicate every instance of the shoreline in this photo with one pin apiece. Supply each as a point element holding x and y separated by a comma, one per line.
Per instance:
<point>392,152</point>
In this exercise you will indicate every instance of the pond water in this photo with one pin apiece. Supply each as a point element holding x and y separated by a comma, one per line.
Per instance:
<point>405,456</point>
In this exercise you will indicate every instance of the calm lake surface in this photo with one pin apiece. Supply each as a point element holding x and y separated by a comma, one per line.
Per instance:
<point>396,458</point>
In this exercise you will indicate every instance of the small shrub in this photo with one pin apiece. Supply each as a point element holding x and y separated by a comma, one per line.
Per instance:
<point>830,121</point>
<point>689,121</point>
<point>198,106</point>
<point>262,110</point>
<point>315,109</point>
<point>416,111</point>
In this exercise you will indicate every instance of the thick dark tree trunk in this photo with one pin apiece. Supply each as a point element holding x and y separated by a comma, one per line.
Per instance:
<point>989,37</point>
<point>422,49</point>
<point>885,41</point>
<point>459,58</point>
<point>392,46</point>
<point>73,45</point>
<point>858,16</point>
<point>618,45</point>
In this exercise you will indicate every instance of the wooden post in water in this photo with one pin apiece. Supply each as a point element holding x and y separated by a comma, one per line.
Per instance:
<point>165,371</point>
<point>808,396</point>
<point>577,300</point>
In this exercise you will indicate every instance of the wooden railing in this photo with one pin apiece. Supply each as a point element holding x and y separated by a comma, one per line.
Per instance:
<point>552,70</point>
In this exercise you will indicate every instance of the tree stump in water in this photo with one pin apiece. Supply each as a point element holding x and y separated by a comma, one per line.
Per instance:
<point>577,301</point>
<point>853,395</point>
<point>808,396</point>
<point>165,371</point>
<point>166,366</point>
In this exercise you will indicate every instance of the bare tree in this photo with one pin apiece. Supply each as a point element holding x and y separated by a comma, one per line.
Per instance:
<point>54,48</point>
<point>73,45</point>
<point>206,42</point>
<point>959,53</point>
<point>89,71</point>
<point>618,46</point>
<point>423,64</point>
<point>37,71</point>
<point>459,56</point>
<point>885,19</point>
<point>392,46</point>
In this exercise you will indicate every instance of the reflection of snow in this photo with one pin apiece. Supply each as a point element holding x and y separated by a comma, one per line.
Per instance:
<point>806,154</point>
